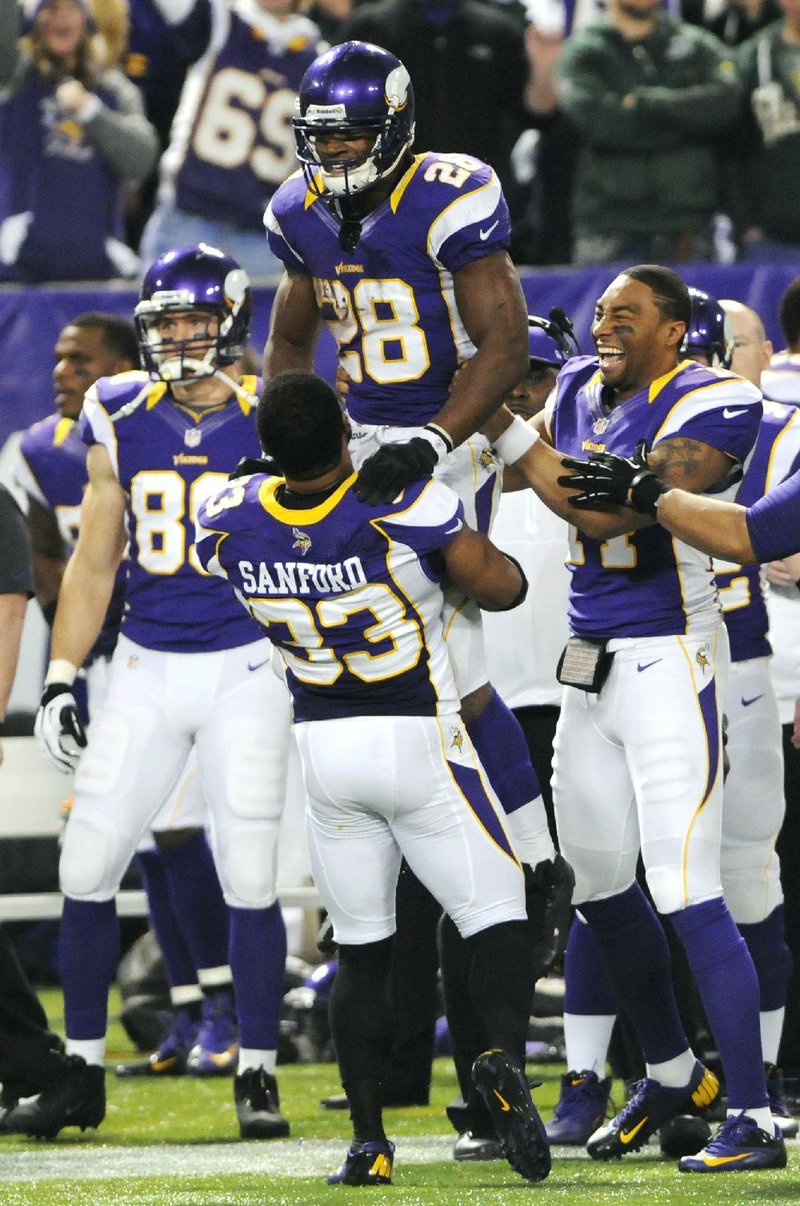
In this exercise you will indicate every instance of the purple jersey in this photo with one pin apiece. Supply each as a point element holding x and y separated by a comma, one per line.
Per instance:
<point>52,471</point>
<point>390,304</point>
<point>168,463</point>
<point>773,522</point>
<point>232,140</point>
<point>348,593</point>
<point>741,587</point>
<point>51,177</point>
<point>646,583</point>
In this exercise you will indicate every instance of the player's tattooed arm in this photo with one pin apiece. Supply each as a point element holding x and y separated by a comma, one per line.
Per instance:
<point>541,468</point>
<point>689,464</point>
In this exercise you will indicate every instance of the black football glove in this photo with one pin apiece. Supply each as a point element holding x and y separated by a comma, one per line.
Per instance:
<point>607,480</point>
<point>58,729</point>
<point>393,467</point>
<point>254,464</point>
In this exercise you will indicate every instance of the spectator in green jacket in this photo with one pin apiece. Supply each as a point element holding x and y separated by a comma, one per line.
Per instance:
<point>769,65</point>
<point>652,98</point>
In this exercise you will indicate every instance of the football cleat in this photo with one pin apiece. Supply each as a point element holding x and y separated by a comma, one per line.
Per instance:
<point>366,1164</point>
<point>258,1107</point>
<point>650,1106</point>
<point>738,1145</point>
<point>172,1054</point>
<point>469,1146</point>
<point>781,1114</point>
<point>508,1098</point>
<point>76,1098</point>
<point>216,1051</point>
<point>580,1109</point>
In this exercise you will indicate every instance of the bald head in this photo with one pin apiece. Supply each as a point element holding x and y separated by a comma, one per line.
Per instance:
<point>752,349</point>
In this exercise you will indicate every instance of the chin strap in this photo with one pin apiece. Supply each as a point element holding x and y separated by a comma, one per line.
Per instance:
<point>349,234</point>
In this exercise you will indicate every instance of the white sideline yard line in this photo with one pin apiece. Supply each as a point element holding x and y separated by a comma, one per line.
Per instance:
<point>286,1158</point>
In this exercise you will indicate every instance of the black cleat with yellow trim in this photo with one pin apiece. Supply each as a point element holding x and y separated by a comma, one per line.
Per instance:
<point>738,1145</point>
<point>366,1164</point>
<point>508,1098</point>
<point>650,1106</point>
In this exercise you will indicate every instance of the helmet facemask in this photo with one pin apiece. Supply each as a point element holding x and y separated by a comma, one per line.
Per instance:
<point>205,353</point>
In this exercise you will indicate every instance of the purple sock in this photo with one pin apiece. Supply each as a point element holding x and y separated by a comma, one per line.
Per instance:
<point>771,957</point>
<point>586,986</point>
<point>726,980</point>
<point>634,949</point>
<point>172,944</point>
<point>197,900</point>
<point>88,954</point>
<point>503,751</point>
<point>258,963</point>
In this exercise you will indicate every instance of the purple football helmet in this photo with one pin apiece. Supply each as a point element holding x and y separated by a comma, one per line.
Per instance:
<point>551,340</point>
<point>354,89</point>
<point>201,279</point>
<point>710,331</point>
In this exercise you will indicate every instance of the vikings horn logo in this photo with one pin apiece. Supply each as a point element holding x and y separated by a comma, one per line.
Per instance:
<point>456,738</point>
<point>701,657</point>
<point>302,541</point>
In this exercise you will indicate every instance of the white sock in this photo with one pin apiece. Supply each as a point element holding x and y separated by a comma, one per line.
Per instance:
<point>771,1031</point>
<point>250,1059</point>
<point>761,1116</point>
<point>586,1036</point>
<point>674,1073</point>
<point>92,1050</point>
<point>185,994</point>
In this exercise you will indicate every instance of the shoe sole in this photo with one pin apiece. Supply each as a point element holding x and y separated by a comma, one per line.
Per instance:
<point>523,1138</point>
<point>152,1071</point>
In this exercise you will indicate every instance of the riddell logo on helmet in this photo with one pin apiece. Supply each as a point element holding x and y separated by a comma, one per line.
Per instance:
<point>326,113</point>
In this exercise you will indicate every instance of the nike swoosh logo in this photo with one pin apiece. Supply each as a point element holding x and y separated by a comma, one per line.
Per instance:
<point>731,414</point>
<point>258,665</point>
<point>222,1059</point>
<point>162,1065</point>
<point>504,1106</point>
<point>647,665</point>
<point>715,1161</point>
<point>627,1136</point>
<point>746,702</point>
<point>484,234</point>
<point>456,528</point>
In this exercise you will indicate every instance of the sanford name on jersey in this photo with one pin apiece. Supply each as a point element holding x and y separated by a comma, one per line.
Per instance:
<point>374,647</point>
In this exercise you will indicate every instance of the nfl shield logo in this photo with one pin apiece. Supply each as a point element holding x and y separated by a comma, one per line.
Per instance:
<point>192,437</point>
<point>600,425</point>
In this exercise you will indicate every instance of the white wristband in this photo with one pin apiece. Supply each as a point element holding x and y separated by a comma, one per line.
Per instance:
<point>60,671</point>
<point>515,441</point>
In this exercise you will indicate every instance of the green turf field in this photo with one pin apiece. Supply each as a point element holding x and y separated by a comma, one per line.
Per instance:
<point>174,1143</point>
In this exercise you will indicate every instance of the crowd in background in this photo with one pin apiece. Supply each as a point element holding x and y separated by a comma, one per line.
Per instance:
<point>624,129</point>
